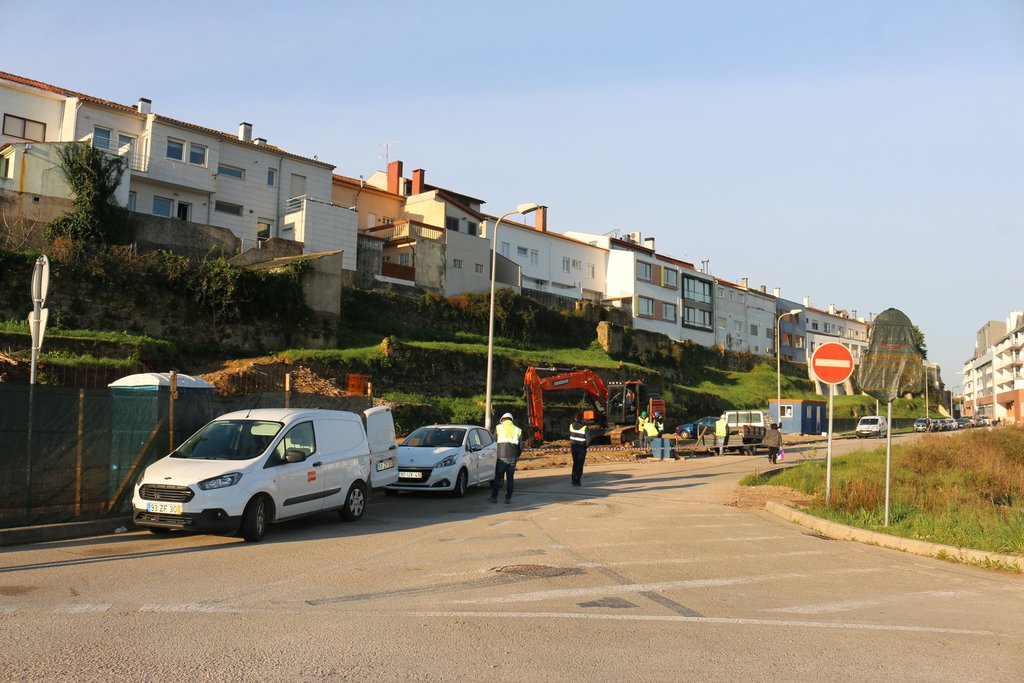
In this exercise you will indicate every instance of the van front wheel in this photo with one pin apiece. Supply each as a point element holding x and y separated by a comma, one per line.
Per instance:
<point>355,503</point>
<point>254,520</point>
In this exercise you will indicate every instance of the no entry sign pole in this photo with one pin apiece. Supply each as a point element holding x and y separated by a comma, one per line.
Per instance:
<point>832,363</point>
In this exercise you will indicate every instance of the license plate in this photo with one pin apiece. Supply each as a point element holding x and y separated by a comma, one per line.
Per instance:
<point>410,475</point>
<point>164,508</point>
<point>386,464</point>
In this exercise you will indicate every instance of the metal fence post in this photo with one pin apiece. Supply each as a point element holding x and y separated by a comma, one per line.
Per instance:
<point>287,389</point>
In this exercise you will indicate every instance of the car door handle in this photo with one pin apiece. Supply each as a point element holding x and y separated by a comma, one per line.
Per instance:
<point>317,463</point>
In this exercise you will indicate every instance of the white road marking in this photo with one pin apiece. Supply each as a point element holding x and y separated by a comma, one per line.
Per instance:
<point>83,608</point>
<point>689,560</point>
<point>742,539</point>
<point>773,623</point>
<point>847,605</point>
<point>628,588</point>
<point>185,607</point>
<point>4,609</point>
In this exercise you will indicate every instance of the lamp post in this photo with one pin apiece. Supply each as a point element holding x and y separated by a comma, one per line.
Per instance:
<point>778,360</point>
<point>522,209</point>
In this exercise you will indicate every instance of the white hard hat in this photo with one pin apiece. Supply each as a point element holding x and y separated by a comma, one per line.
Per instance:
<point>506,416</point>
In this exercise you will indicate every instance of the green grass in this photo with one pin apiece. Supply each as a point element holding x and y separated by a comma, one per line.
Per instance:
<point>965,490</point>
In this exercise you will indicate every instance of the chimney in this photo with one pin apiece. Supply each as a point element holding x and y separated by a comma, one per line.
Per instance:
<point>807,301</point>
<point>245,132</point>
<point>853,313</point>
<point>394,177</point>
<point>417,181</point>
<point>832,309</point>
<point>262,141</point>
<point>541,222</point>
<point>764,289</point>
<point>778,292</point>
<point>649,243</point>
<point>144,106</point>
<point>743,282</point>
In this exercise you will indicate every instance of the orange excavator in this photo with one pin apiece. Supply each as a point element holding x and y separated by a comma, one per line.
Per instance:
<point>615,411</point>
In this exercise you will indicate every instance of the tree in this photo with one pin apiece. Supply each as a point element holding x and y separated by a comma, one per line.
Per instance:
<point>93,177</point>
<point>919,340</point>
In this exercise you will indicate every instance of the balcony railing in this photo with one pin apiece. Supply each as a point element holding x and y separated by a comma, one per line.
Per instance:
<point>136,162</point>
<point>406,231</point>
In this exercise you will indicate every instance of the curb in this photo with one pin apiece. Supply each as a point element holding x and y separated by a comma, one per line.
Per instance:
<point>907,545</point>
<point>61,532</point>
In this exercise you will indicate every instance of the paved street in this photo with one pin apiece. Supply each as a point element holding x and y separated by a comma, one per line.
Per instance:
<point>642,574</point>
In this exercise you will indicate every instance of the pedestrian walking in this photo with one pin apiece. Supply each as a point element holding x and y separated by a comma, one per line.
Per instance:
<point>578,447</point>
<point>773,441</point>
<point>510,446</point>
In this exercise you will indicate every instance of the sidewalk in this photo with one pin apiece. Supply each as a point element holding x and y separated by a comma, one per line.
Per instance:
<point>41,533</point>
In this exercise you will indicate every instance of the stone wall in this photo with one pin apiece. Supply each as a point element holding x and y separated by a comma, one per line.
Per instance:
<point>195,240</point>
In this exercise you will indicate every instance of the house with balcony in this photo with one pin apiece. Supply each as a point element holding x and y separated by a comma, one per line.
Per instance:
<point>176,169</point>
<point>993,379</point>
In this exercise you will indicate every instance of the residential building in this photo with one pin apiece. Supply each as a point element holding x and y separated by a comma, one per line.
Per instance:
<point>993,379</point>
<point>744,318</point>
<point>176,169</point>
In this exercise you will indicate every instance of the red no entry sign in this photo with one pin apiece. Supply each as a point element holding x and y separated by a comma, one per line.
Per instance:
<point>832,363</point>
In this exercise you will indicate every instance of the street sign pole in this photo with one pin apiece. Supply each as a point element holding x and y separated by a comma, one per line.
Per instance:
<point>37,328</point>
<point>888,461</point>
<point>831,363</point>
<point>828,457</point>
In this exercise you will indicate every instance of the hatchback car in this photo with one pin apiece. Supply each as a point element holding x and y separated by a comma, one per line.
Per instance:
<point>691,430</point>
<point>445,458</point>
<point>964,422</point>
<point>921,425</point>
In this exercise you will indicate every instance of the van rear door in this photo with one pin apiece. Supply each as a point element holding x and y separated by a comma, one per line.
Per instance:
<point>380,432</point>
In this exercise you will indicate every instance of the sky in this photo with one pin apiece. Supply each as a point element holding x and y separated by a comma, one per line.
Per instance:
<point>865,153</point>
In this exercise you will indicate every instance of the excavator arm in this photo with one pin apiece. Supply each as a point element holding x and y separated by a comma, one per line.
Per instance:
<point>534,386</point>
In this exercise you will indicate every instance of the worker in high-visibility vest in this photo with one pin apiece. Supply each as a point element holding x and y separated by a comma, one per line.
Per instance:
<point>578,447</point>
<point>510,440</point>
<point>641,429</point>
<point>721,434</point>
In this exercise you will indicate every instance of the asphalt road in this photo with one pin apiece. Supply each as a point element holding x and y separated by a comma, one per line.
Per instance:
<point>642,574</point>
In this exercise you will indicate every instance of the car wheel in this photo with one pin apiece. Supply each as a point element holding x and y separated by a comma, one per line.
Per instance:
<point>685,434</point>
<point>355,503</point>
<point>254,519</point>
<point>461,484</point>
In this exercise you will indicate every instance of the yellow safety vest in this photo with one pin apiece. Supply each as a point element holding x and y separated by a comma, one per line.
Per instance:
<point>721,427</point>
<point>508,432</point>
<point>579,434</point>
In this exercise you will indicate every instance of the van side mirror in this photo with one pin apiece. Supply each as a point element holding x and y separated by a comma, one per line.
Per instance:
<point>294,455</point>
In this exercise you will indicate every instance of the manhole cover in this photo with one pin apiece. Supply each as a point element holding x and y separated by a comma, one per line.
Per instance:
<point>532,570</point>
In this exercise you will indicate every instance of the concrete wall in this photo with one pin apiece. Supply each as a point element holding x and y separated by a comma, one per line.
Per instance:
<point>182,237</point>
<point>322,283</point>
<point>430,265</point>
<point>23,219</point>
<point>368,263</point>
<point>268,250</point>
<point>474,256</point>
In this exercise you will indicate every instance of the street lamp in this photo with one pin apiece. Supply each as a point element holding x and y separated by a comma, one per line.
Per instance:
<point>521,209</point>
<point>778,361</point>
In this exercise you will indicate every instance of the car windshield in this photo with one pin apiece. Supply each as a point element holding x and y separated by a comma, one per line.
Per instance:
<point>869,420</point>
<point>229,440</point>
<point>434,437</point>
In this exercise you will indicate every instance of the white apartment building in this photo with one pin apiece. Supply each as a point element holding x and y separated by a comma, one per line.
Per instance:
<point>178,169</point>
<point>744,318</point>
<point>834,325</point>
<point>993,379</point>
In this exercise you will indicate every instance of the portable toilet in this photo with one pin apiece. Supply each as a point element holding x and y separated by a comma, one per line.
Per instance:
<point>140,425</point>
<point>799,415</point>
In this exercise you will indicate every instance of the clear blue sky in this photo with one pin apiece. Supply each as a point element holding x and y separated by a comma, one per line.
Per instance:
<point>867,154</point>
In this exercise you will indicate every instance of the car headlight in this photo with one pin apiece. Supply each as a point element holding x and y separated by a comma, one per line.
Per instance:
<point>447,462</point>
<point>220,482</point>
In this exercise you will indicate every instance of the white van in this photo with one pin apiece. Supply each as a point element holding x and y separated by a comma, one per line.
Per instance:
<point>250,468</point>
<point>872,426</point>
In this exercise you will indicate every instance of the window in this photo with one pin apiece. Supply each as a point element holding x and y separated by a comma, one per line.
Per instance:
<point>696,317</point>
<point>814,325</point>
<point>721,293</point>
<point>452,223</point>
<point>101,137</point>
<point>737,326</point>
<point>387,221</point>
<point>670,278</point>
<point>668,312</point>
<point>721,322</point>
<point>197,154</point>
<point>521,251</point>
<point>565,264</point>
<point>576,264</point>
<point>5,167</point>
<point>299,438</point>
<point>786,411</point>
<point>403,259</point>
<point>590,270</point>
<point>697,290</point>
<point>132,198</point>
<point>175,149</point>
<point>231,171</point>
<point>534,257</point>
<point>645,307</point>
<point>371,220</point>
<point>457,263</point>
<point>753,330</point>
<point>264,229</point>
<point>272,177</point>
<point>225,207</point>
<point>472,228</point>
<point>26,129</point>
<point>643,271</point>
<point>479,267</point>
<point>162,206</point>
<point>506,249</point>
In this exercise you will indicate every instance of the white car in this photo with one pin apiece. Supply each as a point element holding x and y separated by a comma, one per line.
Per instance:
<point>872,426</point>
<point>445,458</point>
<point>250,468</point>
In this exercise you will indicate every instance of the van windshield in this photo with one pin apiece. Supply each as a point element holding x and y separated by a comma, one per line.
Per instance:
<point>869,420</point>
<point>229,440</point>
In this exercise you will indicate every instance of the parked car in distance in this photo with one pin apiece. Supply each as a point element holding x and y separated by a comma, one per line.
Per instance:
<point>872,426</point>
<point>693,430</point>
<point>964,422</point>
<point>921,424</point>
<point>247,469</point>
<point>445,458</point>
